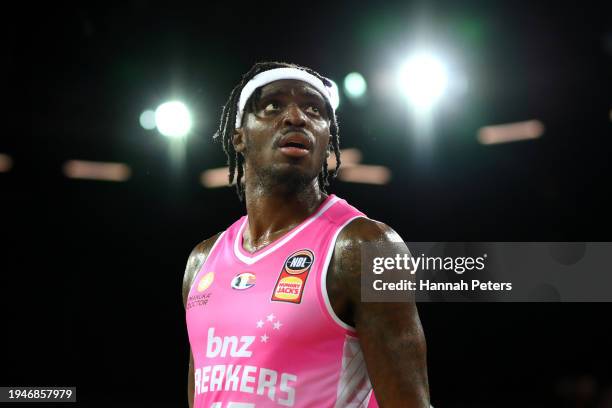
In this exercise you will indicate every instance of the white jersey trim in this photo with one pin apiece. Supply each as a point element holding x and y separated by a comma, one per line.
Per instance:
<point>330,251</point>
<point>354,389</point>
<point>366,402</point>
<point>249,260</point>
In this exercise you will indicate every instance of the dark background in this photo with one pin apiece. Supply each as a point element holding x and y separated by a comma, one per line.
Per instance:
<point>91,271</point>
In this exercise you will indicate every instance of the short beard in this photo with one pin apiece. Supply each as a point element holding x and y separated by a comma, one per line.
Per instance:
<point>288,182</point>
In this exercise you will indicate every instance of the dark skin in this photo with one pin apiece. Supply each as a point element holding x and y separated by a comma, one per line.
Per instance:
<point>281,191</point>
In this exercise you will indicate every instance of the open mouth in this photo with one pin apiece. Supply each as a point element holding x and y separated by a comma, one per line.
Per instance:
<point>295,144</point>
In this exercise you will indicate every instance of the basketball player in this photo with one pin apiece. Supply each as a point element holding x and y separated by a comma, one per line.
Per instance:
<point>273,304</point>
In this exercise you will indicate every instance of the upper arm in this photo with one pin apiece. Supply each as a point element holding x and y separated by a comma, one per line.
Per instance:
<point>195,261</point>
<point>390,333</point>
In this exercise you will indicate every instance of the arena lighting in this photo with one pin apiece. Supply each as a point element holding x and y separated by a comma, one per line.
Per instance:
<point>423,78</point>
<point>349,157</point>
<point>355,85</point>
<point>147,120</point>
<point>173,119</point>
<point>335,103</point>
<point>365,174</point>
<point>511,132</point>
<point>89,170</point>
<point>6,163</point>
<point>213,178</point>
<point>218,177</point>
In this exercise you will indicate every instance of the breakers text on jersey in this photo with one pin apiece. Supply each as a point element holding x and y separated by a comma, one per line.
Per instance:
<point>243,378</point>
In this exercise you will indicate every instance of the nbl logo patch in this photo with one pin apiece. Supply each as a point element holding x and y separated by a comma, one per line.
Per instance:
<point>299,262</point>
<point>290,284</point>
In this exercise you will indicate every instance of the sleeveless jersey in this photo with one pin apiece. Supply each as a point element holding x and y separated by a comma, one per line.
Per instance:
<point>261,327</point>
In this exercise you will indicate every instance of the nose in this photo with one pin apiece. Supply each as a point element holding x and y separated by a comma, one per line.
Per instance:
<point>294,116</point>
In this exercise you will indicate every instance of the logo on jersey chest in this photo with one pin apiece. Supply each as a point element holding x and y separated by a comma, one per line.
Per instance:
<point>199,298</point>
<point>206,281</point>
<point>244,281</point>
<point>292,279</point>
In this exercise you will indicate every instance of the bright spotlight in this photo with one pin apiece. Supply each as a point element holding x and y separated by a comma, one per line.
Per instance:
<point>336,101</point>
<point>355,85</point>
<point>423,79</point>
<point>173,119</point>
<point>147,119</point>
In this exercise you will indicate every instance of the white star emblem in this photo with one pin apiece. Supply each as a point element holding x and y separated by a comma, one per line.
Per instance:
<point>271,317</point>
<point>260,324</point>
<point>277,325</point>
<point>264,338</point>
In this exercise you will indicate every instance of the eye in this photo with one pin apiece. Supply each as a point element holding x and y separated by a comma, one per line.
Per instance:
<point>272,107</point>
<point>314,109</point>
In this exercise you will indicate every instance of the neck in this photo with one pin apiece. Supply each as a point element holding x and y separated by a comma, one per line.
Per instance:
<point>274,211</point>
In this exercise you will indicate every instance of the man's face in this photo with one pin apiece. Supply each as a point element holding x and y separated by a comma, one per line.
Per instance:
<point>287,134</point>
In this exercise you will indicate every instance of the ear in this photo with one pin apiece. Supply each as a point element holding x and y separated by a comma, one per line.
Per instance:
<point>238,140</point>
<point>329,149</point>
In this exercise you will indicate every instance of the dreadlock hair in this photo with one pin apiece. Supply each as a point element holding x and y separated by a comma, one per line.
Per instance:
<point>226,129</point>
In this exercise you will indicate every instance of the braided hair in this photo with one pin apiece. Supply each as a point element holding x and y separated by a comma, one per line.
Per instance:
<point>225,132</point>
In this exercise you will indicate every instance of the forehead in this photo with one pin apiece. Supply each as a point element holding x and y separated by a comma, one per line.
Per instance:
<point>291,87</point>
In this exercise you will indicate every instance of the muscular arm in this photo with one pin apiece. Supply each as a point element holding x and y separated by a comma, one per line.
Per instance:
<point>390,334</point>
<point>194,263</point>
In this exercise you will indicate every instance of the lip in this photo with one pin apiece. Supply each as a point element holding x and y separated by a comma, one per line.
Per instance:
<point>296,137</point>
<point>295,144</point>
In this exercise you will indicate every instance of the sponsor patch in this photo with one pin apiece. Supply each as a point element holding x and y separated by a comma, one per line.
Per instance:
<point>292,279</point>
<point>299,262</point>
<point>200,299</point>
<point>206,281</point>
<point>244,281</point>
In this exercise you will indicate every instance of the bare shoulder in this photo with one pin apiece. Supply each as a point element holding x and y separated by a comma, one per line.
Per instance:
<point>196,260</point>
<point>367,230</point>
<point>344,273</point>
<point>347,252</point>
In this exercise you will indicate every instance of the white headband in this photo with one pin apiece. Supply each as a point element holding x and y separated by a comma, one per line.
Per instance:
<point>329,93</point>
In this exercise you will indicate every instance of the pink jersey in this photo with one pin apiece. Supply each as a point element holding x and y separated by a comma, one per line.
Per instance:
<point>261,328</point>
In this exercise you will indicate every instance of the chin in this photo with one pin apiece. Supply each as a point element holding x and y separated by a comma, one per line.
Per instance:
<point>291,175</point>
<point>290,172</point>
